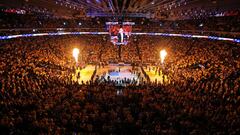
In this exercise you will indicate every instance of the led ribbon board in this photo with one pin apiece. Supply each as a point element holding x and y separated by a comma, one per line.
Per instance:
<point>236,40</point>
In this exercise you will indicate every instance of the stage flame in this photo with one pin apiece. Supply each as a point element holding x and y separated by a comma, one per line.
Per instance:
<point>76,53</point>
<point>163,54</point>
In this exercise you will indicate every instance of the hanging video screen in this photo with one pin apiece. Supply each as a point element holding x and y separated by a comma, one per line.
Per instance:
<point>120,34</point>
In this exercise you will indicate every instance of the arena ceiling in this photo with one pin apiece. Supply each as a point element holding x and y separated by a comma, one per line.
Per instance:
<point>158,9</point>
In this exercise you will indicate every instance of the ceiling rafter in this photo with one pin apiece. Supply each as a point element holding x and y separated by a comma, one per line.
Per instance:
<point>141,4</point>
<point>155,5</point>
<point>91,5</point>
<point>105,5</point>
<point>116,3</point>
<point>124,5</point>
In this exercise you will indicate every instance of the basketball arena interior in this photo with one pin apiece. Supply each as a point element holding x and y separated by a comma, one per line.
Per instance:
<point>120,67</point>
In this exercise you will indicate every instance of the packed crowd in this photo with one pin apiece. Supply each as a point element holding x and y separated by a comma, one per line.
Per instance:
<point>37,95</point>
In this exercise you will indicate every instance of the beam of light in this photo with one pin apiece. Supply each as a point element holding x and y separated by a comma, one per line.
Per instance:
<point>75,54</point>
<point>163,54</point>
